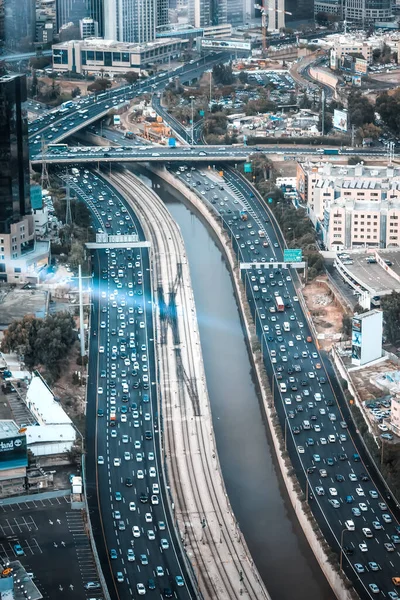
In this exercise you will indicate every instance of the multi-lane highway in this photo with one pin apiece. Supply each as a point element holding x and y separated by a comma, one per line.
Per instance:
<point>136,541</point>
<point>345,498</point>
<point>63,122</point>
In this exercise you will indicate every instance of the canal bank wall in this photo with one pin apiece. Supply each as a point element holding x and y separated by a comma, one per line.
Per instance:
<point>309,528</point>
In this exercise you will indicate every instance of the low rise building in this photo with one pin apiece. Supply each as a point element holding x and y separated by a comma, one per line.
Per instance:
<point>353,206</point>
<point>13,458</point>
<point>94,56</point>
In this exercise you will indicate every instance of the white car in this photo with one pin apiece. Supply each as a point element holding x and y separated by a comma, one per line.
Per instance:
<point>148,517</point>
<point>140,474</point>
<point>363,547</point>
<point>117,462</point>
<point>141,590</point>
<point>300,449</point>
<point>136,531</point>
<point>130,555</point>
<point>132,506</point>
<point>127,455</point>
<point>100,460</point>
<point>152,472</point>
<point>333,491</point>
<point>360,491</point>
<point>124,419</point>
<point>367,532</point>
<point>101,349</point>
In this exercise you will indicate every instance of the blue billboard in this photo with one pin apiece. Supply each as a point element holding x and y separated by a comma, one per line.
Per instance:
<point>13,452</point>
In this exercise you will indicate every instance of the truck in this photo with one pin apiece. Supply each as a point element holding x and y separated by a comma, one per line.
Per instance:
<point>280,307</point>
<point>67,104</point>
<point>243,215</point>
<point>129,135</point>
<point>332,151</point>
<point>75,171</point>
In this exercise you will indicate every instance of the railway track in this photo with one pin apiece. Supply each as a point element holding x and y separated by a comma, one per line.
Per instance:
<point>183,425</point>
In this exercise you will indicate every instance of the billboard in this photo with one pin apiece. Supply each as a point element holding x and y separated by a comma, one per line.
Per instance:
<point>366,337</point>
<point>207,43</point>
<point>356,80</point>
<point>117,120</point>
<point>340,120</point>
<point>13,452</point>
<point>361,66</point>
<point>36,197</point>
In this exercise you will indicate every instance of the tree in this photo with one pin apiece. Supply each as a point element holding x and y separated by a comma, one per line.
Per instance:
<point>131,77</point>
<point>39,62</point>
<point>222,74</point>
<point>75,92</point>
<point>369,131</point>
<point>327,122</point>
<point>391,316</point>
<point>17,335</point>
<point>354,160</point>
<point>346,325</point>
<point>360,109</point>
<point>388,108</point>
<point>99,85</point>
<point>243,77</point>
<point>34,84</point>
<point>321,18</point>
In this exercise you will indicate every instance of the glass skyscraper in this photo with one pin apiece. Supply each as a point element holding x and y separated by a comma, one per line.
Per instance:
<point>14,152</point>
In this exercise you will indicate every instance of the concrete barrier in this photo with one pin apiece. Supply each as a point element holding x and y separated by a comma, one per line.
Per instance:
<point>334,578</point>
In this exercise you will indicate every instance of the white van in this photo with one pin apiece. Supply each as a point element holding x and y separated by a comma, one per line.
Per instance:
<point>306,425</point>
<point>282,387</point>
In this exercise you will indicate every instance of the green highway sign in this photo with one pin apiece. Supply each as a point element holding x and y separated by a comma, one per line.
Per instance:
<point>248,167</point>
<point>293,255</point>
<point>201,113</point>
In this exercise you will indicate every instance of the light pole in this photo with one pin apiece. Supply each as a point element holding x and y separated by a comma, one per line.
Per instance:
<point>341,547</point>
<point>192,98</point>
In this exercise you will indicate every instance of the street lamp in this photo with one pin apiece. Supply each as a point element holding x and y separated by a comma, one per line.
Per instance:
<point>341,547</point>
<point>192,98</point>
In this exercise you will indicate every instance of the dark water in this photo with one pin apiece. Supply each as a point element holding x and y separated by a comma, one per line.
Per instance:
<point>256,492</point>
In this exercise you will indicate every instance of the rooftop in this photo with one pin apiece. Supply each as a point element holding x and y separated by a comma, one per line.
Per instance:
<point>92,42</point>
<point>8,429</point>
<point>41,402</point>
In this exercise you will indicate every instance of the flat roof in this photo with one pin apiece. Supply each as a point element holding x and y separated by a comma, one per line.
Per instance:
<point>372,276</point>
<point>375,311</point>
<point>8,428</point>
<point>41,402</point>
<point>92,42</point>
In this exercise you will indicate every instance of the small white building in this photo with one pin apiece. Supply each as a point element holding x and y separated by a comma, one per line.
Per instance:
<point>55,432</point>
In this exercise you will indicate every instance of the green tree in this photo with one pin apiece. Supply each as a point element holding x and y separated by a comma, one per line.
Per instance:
<point>222,74</point>
<point>328,123</point>
<point>360,109</point>
<point>391,316</point>
<point>388,108</point>
<point>131,77</point>
<point>346,325</point>
<point>99,85</point>
<point>354,160</point>
<point>243,77</point>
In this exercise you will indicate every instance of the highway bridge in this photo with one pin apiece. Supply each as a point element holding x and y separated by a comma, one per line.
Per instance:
<point>179,154</point>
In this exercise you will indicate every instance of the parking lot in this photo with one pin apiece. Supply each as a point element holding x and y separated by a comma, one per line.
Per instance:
<point>55,543</point>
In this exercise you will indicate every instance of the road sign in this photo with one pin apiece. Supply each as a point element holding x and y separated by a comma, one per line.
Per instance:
<point>248,167</point>
<point>293,255</point>
<point>201,113</point>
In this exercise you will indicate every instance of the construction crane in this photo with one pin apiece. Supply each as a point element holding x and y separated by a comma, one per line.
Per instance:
<point>265,10</point>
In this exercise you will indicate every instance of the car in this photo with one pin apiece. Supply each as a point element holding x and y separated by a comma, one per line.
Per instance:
<point>352,477</point>
<point>387,518</point>
<point>363,547</point>
<point>373,493</point>
<point>161,525</point>
<point>339,477</point>
<point>100,460</point>
<point>376,525</point>
<point>117,515</point>
<point>100,412</point>
<point>136,531</point>
<point>117,462</point>
<point>356,511</point>
<point>151,584</point>
<point>132,506</point>
<point>141,590</point>
<point>18,550</point>
<point>389,546</point>
<point>374,588</point>
<point>92,585</point>
<point>118,496</point>
<point>159,572</point>
<point>320,491</point>
<point>113,554</point>
<point>363,506</point>
<point>316,457</point>
<point>367,532</point>
<point>374,566</point>
<point>335,503</point>
<point>128,481</point>
<point>393,595</point>
<point>350,525</point>
<point>144,559</point>
<point>382,505</point>
<point>360,491</point>
<point>127,455</point>
<point>395,539</point>
<point>333,491</point>
<point>164,544</point>
<point>130,555</point>
<point>300,449</point>
<point>359,567</point>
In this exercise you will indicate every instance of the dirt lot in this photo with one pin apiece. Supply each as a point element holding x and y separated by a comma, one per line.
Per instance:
<point>325,312</point>
<point>67,86</point>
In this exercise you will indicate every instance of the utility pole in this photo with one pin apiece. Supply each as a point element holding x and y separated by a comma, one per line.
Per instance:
<point>192,99</point>
<point>81,328</point>
<point>323,112</point>
<point>68,215</point>
<point>353,135</point>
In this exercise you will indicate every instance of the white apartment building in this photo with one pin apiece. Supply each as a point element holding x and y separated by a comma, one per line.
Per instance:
<point>353,206</point>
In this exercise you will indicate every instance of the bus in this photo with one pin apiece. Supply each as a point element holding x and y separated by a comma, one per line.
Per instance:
<point>280,307</point>
<point>58,147</point>
<point>67,104</point>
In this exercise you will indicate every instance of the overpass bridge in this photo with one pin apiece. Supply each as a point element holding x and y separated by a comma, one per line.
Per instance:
<point>64,154</point>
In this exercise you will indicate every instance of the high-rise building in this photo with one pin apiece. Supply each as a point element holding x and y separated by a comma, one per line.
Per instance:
<point>14,152</point>
<point>204,13</point>
<point>2,32</point>
<point>70,11</point>
<point>96,12</point>
<point>367,12</point>
<point>131,21</point>
<point>162,13</point>
<point>19,24</point>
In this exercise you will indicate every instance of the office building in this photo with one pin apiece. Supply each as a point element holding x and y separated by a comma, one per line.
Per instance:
<point>88,28</point>
<point>96,12</point>
<point>14,153</point>
<point>132,21</point>
<point>367,12</point>
<point>19,24</point>
<point>94,56</point>
<point>162,14</point>
<point>328,7</point>
<point>205,13</point>
<point>2,31</point>
<point>19,252</point>
<point>70,11</point>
